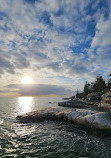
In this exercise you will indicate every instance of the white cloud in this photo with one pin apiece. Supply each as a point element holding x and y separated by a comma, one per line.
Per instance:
<point>103,32</point>
<point>29,41</point>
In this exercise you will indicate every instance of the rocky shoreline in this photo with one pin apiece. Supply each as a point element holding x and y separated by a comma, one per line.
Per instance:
<point>98,99</point>
<point>80,112</point>
<point>88,118</point>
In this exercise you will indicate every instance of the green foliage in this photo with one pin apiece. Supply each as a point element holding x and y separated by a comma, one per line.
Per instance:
<point>99,84</point>
<point>80,95</point>
<point>109,83</point>
<point>86,88</point>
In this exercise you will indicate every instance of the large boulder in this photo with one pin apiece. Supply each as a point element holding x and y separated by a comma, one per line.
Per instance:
<point>106,100</point>
<point>88,118</point>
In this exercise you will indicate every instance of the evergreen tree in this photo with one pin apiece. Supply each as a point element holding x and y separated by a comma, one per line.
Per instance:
<point>109,81</point>
<point>91,86</point>
<point>99,84</point>
<point>86,88</point>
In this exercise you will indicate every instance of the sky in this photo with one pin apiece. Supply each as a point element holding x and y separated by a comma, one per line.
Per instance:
<point>60,44</point>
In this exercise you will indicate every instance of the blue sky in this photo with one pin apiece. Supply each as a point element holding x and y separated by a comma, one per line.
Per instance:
<point>56,42</point>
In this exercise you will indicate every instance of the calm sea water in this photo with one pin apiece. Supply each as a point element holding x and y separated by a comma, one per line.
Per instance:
<point>46,139</point>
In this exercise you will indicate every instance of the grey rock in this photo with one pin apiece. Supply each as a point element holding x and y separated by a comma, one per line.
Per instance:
<point>76,103</point>
<point>88,118</point>
<point>106,100</point>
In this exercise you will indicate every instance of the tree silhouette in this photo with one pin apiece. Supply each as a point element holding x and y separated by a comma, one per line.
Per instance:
<point>87,88</point>
<point>109,81</point>
<point>99,84</point>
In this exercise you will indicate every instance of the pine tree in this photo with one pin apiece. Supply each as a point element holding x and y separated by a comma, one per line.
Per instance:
<point>99,84</point>
<point>86,88</point>
<point>109,81</point>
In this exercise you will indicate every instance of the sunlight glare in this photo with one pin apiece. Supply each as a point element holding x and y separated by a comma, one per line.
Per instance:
<point>25,104</point>
<point>26,80</point>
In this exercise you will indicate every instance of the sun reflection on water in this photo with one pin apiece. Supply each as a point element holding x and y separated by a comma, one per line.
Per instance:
<point>25,104</point>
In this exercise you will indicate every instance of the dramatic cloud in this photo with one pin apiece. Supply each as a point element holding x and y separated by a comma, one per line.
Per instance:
<point>68,41</point>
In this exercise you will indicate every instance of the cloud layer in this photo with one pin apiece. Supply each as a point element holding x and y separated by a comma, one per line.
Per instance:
<point>65,40</point>
<point>36,90</point>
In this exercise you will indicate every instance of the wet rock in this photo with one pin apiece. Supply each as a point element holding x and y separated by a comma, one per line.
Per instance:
<point>88,118</point>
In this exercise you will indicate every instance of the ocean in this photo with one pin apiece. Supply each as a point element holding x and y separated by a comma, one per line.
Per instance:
<point>45,139</point>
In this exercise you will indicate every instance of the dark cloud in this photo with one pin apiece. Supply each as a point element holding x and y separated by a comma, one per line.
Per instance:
<point>40,57</point>
<point>6,65</point>
<point>11,61</point>
<point>40,89</point>
<point>55,66</point>
<point>20,60</point>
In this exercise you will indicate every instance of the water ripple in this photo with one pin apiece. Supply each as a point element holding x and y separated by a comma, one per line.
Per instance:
<point>48,140</point>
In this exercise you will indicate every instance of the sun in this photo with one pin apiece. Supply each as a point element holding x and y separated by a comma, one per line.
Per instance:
<point>26,80</point>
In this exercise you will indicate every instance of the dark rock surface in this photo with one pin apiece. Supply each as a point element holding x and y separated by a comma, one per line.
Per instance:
<point>76,103</point>
<point>94,97</point>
